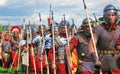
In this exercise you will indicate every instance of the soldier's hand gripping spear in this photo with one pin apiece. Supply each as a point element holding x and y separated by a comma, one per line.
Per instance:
<point>20,36</point>
<point>92,37</point>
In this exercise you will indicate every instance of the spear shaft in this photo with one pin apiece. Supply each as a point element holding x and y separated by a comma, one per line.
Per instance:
<point>91,32</point>
<point>53,42</point>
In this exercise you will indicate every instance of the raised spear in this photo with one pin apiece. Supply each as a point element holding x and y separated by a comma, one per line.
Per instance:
<point>95,18</point>
<point>68,53</point>
<point>91,32</point>
<point>74,28</point>
<point>53,41</point>
<point>42,46</point>
<point>49,19</point>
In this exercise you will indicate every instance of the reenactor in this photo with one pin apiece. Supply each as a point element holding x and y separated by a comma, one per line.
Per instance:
<point>80,42</point>
<point>105,38</point>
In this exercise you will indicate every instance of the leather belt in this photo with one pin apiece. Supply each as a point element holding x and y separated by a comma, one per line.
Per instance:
<point>87,60</point>
<point>108,51</point>
<point>60,58</point>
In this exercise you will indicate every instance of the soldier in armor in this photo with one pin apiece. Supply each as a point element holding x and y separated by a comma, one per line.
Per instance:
<point>5,49</point>
<point>80,42</point>
<point>60,49</point>
<point>32,46</point>
<point>105,37</point>
<point>49,47</point>
<point>25,52</point>
<point>37,58</point>
<point>15,39</point>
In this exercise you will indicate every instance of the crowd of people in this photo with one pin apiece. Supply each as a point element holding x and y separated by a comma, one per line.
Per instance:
<point>41,51</point>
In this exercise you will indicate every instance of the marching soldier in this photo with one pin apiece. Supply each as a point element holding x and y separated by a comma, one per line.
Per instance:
<point>24,51</point>
<point>60,49</point>
<point>49,48</point>
<point>105,38</point>
<point>6,44</point>
<point>36,58</point>
<point>80,42</point>
<point>15,39</point>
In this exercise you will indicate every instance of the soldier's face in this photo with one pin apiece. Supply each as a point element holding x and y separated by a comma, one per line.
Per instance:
<point>112,17</point>
<point>56,32</point>
<point>42,29</point>
<point>6,37</point>
<point>63,29</point>
<point>16,34</point>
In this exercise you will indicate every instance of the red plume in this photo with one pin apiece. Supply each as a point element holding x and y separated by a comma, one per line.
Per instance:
<point>15,28</point>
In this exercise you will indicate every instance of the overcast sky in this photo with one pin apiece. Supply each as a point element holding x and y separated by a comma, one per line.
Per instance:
<point>15,11</point>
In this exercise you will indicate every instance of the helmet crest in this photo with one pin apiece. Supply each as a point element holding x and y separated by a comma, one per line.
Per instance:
<point>15,28</point>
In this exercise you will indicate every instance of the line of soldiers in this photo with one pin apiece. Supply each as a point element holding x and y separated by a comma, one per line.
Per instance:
<point>49,52</point>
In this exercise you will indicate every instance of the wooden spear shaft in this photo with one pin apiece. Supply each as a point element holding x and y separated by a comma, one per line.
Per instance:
<point>41,28</point>
<point>91,32</point>
<point>68,49</point>
<point>20,35</point>
<point>33,53</point>
<point>53,45</point>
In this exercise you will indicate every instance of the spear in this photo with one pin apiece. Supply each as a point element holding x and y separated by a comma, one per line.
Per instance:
<point>42,46</point>
<point>53,41</point>
<point>74,28</point>
<point>27,52</point>
<point>20,35</point>
<point>23,25</point>
<point>70,59</point>
<point>49,19</point>
<point>91,32</point>
<point>95,18</point>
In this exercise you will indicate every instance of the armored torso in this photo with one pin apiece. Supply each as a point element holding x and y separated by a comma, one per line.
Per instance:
<point>82,48</point>
<point>106,41</point>
<point>106,38</point>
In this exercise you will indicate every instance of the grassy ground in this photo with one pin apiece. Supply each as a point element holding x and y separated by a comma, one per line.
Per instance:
<point>9,71</point>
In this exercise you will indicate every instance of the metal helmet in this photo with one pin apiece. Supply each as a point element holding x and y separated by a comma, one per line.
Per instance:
<point>44,27</point>
<point>64,22</point>
<point>73,25</point>
<point>85,22</point>
<point>33,29</point>
<point>56,26</point>
<point>107,10</point>
<point>85,25</point>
